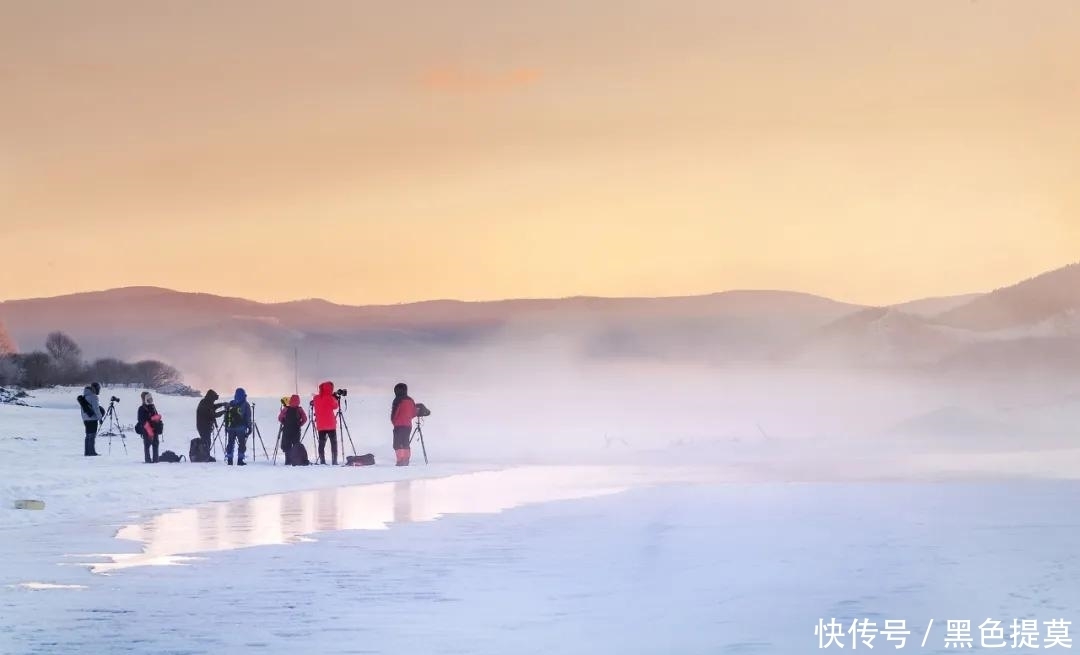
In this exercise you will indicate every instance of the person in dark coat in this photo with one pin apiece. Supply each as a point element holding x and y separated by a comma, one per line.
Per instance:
<point>150,426</point>
<point>208,411</point>
<point>292,419</point>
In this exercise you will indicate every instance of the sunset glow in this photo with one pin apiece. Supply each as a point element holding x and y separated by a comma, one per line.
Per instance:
<point>372,152</point>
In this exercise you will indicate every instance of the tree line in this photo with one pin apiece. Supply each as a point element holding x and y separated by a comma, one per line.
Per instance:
<point>61,363</point>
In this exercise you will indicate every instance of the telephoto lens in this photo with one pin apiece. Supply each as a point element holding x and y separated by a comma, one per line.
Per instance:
<point>114,399</point>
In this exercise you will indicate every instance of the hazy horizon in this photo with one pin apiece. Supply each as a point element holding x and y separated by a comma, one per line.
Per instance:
<point>970,293</point>
<point>482,300</point>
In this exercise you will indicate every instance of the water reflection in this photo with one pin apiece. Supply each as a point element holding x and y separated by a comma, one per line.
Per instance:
<point>172,537</point>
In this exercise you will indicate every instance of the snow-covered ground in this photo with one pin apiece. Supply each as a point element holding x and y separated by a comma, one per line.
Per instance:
<point>738,556</point>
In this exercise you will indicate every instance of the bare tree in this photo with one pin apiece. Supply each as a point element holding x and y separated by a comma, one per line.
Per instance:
<point>37,370</point>
<point>62,348</point>
<point>155,374</point>
<point>112,371</point>
<point>11,371</point>
<point>66,356</point>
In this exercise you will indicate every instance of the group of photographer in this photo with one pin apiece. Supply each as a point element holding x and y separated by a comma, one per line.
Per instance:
<point>239,423</point>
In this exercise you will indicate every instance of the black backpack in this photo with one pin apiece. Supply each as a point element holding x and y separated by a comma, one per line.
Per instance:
<point>170,457</point>
<point>360,460</point>
<point>297,456</point>
<point>198,452</point>
<point>234,415</point>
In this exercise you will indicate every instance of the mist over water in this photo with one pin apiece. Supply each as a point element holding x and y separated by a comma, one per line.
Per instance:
<point>549,400</point>
<point>782,385</point>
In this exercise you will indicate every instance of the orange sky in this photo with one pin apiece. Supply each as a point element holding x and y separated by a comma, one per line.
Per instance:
<point>395,151</point>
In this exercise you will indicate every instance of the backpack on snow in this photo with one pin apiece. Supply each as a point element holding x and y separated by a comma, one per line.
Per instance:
<point>360,460</point>
<point>297,456</point>
<point>198,452</point>
<point>170,457</point>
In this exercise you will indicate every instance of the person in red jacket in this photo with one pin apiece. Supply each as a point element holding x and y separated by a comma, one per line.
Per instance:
<point>326,406</point>
<point>402,413</point>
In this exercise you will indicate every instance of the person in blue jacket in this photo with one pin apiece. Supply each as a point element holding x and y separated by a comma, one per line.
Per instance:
<point>237,426</point>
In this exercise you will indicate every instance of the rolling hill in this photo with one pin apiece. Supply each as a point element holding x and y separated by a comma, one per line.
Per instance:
<point>1029,326</point>
<point>1028,303</point>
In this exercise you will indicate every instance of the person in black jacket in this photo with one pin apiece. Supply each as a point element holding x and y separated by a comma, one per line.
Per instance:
<point>292,418</point>
<point>208,411</point>
<point>150,426</point>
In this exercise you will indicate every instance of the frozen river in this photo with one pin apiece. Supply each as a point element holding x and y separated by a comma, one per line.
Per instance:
<point>558,560</point>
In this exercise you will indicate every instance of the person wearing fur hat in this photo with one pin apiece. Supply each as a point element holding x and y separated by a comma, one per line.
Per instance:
<point>150,426</point>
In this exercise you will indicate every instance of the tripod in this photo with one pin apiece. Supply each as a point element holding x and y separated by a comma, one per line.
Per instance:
<point>345,429</point>
<point>113,427</point>
<point>217,439</point>
<point>418,432</point>
<point>314,431</point>
<point>277,442</point>
<point>255,431</point>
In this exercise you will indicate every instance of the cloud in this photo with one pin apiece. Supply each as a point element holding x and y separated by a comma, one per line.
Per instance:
<point>449,79</point>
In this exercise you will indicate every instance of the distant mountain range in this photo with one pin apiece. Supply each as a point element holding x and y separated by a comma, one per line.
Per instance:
<point>1034,324</point>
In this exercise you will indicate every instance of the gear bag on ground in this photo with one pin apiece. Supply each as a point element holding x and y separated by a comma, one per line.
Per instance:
<point>297,456</point>
<point>198,452</point>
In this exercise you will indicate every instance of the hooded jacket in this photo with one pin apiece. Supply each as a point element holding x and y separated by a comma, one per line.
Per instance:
<point>292,418</point>
<point>326,408</point>
<point>242,425</point>
<point>209,409</point>
<point>91,398</point>
<point>403,409</point>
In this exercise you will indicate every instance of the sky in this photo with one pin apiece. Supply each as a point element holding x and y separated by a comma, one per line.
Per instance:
<point>383,152</point>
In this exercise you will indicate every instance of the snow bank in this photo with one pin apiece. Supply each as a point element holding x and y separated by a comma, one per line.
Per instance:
<point>41,458</point>
<point>41,453</point>
<point>13,397</point>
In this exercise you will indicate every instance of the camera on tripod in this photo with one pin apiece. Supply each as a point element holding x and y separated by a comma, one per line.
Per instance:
<point>114,399</point>
<point>341,392</point>
<point>422,410</point>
